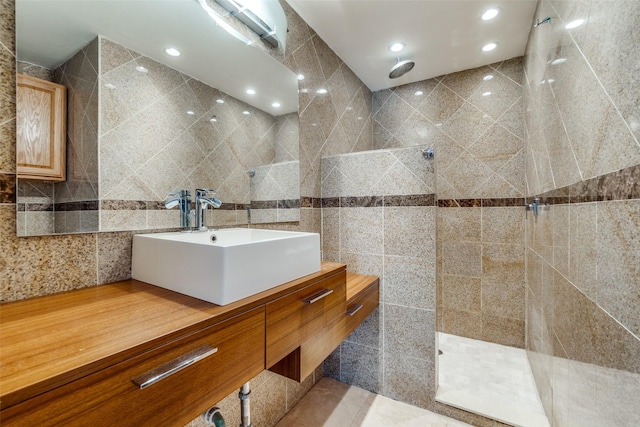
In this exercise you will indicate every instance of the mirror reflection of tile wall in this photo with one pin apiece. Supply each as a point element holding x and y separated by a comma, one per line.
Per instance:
<point>160,130</point>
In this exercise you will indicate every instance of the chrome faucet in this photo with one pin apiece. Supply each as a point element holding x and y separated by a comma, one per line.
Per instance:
<point>181,198</point>
<point>204,198</point>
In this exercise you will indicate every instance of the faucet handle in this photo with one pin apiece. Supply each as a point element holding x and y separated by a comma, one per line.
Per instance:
<point>178,193</point>
<point>204,191</point>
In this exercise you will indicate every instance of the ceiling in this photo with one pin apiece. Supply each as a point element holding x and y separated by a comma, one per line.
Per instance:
<point>49,32</point>
<point>441,36</point>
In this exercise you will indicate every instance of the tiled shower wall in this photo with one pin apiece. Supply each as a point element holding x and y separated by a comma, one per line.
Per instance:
<point>378,217</point>
<point>583,250</point>
<point>474,121</point>
<point>36,266</point>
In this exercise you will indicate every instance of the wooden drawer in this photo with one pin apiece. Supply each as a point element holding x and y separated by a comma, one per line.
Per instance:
<point>296,317</point>
<point>360,307</point>
<point>110,397</point>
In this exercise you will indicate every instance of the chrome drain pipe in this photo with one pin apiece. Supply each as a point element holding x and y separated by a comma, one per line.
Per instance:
<point>245,405</point>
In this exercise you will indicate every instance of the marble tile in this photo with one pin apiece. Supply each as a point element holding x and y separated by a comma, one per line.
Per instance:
<point>466,175</point>
<point>467,125</point>
<point>496,147</point>
<point>618,252</point>
<point>440,104</point>
<point>503,331</point>
<point>462,323</point>
<point>583,252</point>
<point>503,225</point>
<point>114,257</point>
<point>459,224</point>
<point>463,259</point>
<point>409,332</point>
<point>393,114</point>
<point>409,380</point>
<point>513,118</point>
<point>462,293</point>
<point>359,230</point>
<point>410,281</point>
<point>411,93</point>
<point>369,332</point>
<point>495,96</point>
<point>512,68</point>
<point>464,83</point>
<point>361,366</point>
<point>408,231</point>
<point>363,263</point>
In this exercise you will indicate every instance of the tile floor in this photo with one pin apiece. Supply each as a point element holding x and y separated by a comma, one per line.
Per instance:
<point>334,404</point>
<point>489,379</point>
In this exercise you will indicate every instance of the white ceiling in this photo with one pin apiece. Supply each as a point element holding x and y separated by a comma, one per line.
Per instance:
<point>441,36</point>
<point>49,32</point>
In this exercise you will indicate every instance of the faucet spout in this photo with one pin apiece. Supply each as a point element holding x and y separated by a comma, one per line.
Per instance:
<point>181,198</point>
<point>204,199</point>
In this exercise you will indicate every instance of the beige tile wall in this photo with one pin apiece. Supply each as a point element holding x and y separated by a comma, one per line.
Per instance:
<point>42,265</point>
<point>582,278</point>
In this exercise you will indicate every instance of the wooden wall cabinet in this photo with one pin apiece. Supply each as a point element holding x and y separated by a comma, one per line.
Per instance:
<point>41,117</point>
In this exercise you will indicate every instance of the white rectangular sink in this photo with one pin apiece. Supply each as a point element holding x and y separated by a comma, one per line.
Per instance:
<point>224,266</point>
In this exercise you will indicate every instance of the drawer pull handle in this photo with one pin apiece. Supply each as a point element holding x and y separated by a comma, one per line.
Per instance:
<point>353,310</point>
<point>170,368</point>
<point>318,296</point>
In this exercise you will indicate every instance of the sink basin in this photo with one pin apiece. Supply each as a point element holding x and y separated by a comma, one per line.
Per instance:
<point>224,266</point>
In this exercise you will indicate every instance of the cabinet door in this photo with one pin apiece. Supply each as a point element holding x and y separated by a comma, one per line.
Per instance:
<point>41,115</point>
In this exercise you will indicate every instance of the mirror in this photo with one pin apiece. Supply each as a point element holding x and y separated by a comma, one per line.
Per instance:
<point>141,123</point>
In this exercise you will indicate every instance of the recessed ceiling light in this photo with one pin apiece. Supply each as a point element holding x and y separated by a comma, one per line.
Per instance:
<point>172,51</point>
<point>487,77</point>
<point>321,91</point>
<point>220,101</point>
<point>574,24</point>
<point>191,113</point>
<point>246,113</point>
<point>275,104</point>
<point>490,13</point>
<point>558,61</point>
<point>489,47</point>
<point>396,47</point>
<point>419,93</point>
<point>142,69</point>
<point>300,76</point>
<point>251,91</point>
<point>486,93</point>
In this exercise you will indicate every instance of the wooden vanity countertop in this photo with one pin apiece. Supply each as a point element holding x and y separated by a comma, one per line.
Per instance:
<point>52,340</point>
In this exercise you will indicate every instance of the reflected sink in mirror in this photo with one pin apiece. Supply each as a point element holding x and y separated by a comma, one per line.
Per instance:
<point>226,265</point>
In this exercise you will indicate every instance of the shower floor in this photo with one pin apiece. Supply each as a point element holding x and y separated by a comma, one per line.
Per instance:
<point>489,379</point>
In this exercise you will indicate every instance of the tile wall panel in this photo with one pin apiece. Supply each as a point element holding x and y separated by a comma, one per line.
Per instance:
<point>583,159</point>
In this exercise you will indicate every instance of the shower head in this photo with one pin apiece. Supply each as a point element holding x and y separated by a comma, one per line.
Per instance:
<point>401,68</point>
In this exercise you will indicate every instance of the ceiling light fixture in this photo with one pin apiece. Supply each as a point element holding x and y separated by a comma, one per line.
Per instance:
<point>275,104</point>
<point>251,91</point>
<point>172,51</point>
<point>396,47</point>
<point>574,24</point>
<point>489,46</point>
<point>490,13</point>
